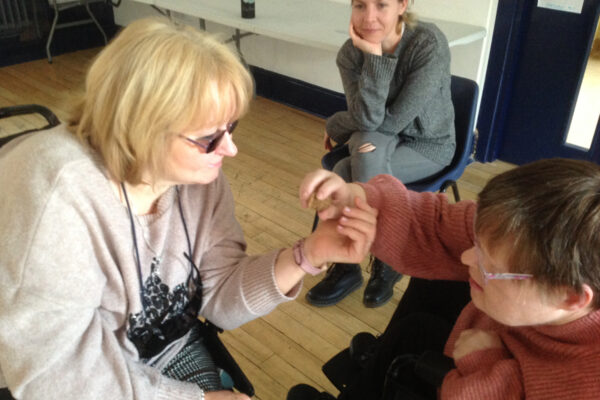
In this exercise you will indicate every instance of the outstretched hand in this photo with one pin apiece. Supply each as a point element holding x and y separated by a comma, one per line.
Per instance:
<point>347,239</point>
<point>327,185</point>
<point>362,44</point>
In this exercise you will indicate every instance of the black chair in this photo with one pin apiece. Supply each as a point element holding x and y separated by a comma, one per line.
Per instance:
<point>210,332</point>
<point>61,5</point>
<point>6,112</point>
<point>464,99</point>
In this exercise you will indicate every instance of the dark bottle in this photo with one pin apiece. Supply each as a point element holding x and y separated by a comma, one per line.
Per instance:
<point>247,8</point>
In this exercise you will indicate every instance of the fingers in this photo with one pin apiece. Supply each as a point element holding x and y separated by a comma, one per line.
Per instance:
<point>471,340</point>
<point>359,224</point>
<point>324,184</point>
<point>225,395</point>
<point>310,182</point>
<point>362,44</point>
<point>352,32</point>
<point>362,219</point>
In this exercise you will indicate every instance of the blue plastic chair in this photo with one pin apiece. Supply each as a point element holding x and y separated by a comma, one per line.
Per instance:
<point>464,98</point>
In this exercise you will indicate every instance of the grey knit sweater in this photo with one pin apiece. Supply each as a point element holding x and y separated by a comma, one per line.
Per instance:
<point>406,93</point>
<point>69,285</point>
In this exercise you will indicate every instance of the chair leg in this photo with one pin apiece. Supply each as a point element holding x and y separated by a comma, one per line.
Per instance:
<point>87,7</point>
<point>52,29</point>
<point>454,186</point>
<point>455,191</point>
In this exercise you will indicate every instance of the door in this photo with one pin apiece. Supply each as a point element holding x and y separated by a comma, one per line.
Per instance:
<point>536,68</point>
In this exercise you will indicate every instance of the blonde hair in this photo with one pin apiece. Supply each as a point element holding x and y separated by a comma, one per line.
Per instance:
<point>154,80</point>
<point>407,17</point>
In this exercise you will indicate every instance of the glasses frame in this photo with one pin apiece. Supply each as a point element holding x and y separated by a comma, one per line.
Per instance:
<point>217,136</point>
<point>489,276</point>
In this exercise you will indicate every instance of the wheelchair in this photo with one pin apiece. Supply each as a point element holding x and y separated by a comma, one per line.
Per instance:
<point>210,332</point>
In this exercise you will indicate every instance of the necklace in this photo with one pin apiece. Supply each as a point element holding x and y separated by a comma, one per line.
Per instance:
<point>187,255</point>
<point>157,255</point>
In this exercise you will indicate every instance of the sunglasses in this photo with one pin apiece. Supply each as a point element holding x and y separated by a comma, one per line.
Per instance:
<point>210,142</point>
<point>488,276</point>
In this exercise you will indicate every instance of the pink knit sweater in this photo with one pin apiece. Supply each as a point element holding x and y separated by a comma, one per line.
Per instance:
<point>422,235</point>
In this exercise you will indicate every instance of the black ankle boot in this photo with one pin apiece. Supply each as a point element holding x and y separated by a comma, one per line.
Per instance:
<point>339,282</point>
<point>380,287</point>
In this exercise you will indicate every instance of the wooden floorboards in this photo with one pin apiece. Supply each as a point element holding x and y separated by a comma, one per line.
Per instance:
<point>277,145</point>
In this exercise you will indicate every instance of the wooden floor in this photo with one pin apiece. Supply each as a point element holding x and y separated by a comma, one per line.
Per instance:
<point>278,145</point>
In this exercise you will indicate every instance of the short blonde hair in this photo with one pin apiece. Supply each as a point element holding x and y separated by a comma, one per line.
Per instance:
<point>154,80</point>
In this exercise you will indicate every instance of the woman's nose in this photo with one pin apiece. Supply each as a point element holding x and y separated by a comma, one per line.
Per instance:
<point>370,13</point>
<point>227,147</point>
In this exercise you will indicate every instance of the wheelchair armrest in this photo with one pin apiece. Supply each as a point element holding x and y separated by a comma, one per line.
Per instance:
<point>432,367</point>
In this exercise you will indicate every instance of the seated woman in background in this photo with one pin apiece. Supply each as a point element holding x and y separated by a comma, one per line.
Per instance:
<point>117,230</point>
<point>400,119</point>
<point>527,252</point>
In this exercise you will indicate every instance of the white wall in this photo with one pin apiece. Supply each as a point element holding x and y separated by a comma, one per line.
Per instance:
<point>318,67</point>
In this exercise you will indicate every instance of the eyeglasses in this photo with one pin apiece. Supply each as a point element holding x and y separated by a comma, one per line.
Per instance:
<point>210,142</point>
<point>488,276</point>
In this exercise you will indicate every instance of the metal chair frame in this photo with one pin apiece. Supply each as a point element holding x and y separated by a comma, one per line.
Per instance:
<point>61,5</point>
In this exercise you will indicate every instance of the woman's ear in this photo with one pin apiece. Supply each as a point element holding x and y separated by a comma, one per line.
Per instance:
<point>403,6</point>
<point>577,301</point>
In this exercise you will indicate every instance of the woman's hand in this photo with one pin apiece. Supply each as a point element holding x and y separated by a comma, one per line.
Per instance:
<point>225,395</point>
<point>326,184</point>
<point>346,240</point>
<point>363,45</point>
<point>471,340</point>
<point>327,142</point>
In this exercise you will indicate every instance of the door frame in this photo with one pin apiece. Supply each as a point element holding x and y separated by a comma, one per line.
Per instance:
<point>512,22</point>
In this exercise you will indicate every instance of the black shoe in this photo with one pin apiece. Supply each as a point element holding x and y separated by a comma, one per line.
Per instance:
<point>339,282</point>
<point>380,287</point>
<point>307,392</point>
<point>362,348</point>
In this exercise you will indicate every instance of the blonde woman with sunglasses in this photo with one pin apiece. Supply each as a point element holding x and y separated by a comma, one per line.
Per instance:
<point>117,230</point>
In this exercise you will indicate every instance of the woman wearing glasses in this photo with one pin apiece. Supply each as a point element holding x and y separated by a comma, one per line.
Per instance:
<point>120,230</point>
<point>526,252</point>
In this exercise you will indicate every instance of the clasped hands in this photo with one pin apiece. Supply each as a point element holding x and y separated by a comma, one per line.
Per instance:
<point>347,226</point>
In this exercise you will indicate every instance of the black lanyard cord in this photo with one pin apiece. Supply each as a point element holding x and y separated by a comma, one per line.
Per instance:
<point>135,247</point>
<point>187,255</point>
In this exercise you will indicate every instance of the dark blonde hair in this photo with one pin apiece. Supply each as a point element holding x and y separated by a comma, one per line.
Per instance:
<point>548,214</point>
<point>409,18</point>
<point>156,79</point>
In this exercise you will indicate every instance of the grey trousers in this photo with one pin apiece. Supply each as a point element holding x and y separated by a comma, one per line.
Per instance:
<point>389,157</point>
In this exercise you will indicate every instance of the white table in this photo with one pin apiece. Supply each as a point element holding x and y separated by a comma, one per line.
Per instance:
<point>315,23</point>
